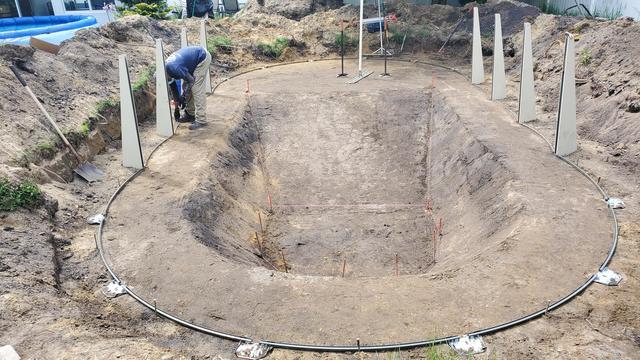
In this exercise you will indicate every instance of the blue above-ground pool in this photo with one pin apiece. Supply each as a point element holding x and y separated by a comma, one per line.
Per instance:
<point>52,29</point>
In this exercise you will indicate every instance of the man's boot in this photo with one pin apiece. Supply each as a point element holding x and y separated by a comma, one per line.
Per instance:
<point>186,118</point>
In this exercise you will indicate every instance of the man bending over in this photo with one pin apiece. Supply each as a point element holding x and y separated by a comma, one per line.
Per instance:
<point>190,64</point>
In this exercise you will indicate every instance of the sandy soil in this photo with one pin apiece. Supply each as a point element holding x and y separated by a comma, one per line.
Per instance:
<point>490,165</point>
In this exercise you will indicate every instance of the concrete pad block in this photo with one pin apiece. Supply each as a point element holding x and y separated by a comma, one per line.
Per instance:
<point>131,149</point>
<point>7,352</point>
<point>203,43</point>
<point>498,82</point>
<point>477,67</point>
<point>566,132</point>
<point>183,38</point>
<point>164,120</point>
<point>527,101</point>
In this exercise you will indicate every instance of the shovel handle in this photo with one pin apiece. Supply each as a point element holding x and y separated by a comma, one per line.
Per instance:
<point>45,113</point>
<point>17,74</point>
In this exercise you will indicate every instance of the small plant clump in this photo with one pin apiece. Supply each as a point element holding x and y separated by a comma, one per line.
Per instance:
<point>46,149</point>
<point>349,42</point>
<point>434,353</point>
<point>105,104</point>
<point>397,33</point>
<point>274,49</point>
<point>156,9</point>
<point>585,57</point>
<point>144,78</point>
<point>14,195</point>
<point>219,43</point>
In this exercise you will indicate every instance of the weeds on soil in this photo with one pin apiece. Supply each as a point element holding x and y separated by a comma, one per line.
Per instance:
<point>14,195</point>
<point>349,42</point>
<point>144,78</point>
<point>274,49</point>
<point>104,105</point>
<point>585,57</point>
<point>47,149</point>
<point>222,44</point>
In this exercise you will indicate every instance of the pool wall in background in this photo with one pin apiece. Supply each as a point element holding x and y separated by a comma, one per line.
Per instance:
<point>19,30</point>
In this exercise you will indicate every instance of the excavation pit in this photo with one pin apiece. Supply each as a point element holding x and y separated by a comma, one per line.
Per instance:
<point>355,177</point>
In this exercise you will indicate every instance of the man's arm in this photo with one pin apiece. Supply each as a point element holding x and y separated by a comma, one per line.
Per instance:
<point>175,94</point>
<point>187,84</point>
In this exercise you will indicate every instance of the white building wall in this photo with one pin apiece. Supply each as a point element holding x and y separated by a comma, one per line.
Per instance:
<point>101,15</point>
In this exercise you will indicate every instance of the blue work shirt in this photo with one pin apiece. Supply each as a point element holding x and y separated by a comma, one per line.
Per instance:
<point>182,63</point>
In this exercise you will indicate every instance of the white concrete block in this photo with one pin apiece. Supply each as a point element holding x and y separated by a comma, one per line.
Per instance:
<point>477,67</point>
<point>131,149</point>
<point>164,120</point>
<point>183,38</point>
<point>566,132</point>
<point>203,43</point>
<point>498,82</point>
<point>7,352</point>
<point>527,101</point>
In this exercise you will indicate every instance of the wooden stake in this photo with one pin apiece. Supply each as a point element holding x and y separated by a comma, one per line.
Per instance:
<point>248,88</point>
<point>259,244</point>
<point>397,271</point>
<point>441,227</point>
<point>598,180</point>
<point>270,203</point>
<point>260,220</point>
<point>435,246</point>
<point>284,261</point>
<point>344,266</point>
<point>428,205</point>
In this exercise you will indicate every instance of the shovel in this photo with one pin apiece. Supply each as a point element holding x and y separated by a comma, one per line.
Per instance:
<point>85,170</point>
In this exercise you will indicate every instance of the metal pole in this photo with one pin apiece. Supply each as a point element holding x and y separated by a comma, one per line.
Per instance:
<point>20,11</point>
<point>360,43</point>
<point>384,49</point>
<point>342,73</point>
<point>380,26</point>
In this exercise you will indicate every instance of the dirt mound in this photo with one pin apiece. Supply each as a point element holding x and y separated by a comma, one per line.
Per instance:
<point>290,9</point>
<point>72,86</point>
<point>608,85</point>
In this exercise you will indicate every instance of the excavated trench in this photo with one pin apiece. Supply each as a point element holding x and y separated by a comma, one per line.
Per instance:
<point>306,214</point>
<point>347,183</point>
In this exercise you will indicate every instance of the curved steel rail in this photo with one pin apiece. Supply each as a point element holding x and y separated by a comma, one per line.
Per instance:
<point>350,348</point>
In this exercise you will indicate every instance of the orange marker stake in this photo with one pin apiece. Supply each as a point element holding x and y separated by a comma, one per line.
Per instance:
<point>435,246</point>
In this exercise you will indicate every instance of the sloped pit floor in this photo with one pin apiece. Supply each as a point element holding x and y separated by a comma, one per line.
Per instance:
<point>348,170</point>
<point>347,181</point>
